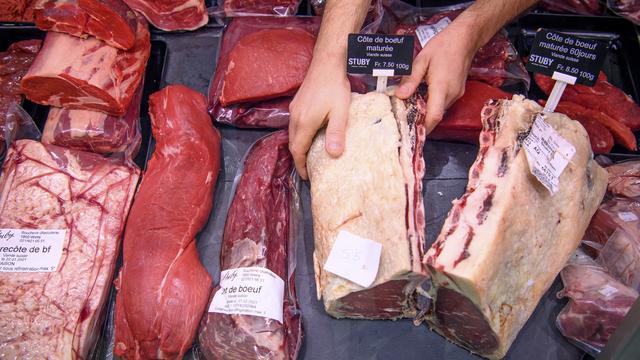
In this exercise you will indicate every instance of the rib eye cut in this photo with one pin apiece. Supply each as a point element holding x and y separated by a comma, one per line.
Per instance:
<point>56,315</point>
<point>87,74</point>
<point>260,232</point>
<point>506,239</point>
<point>108,20</point>
<point>378,177</point>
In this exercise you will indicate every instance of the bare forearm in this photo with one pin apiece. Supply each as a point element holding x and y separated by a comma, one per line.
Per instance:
<point>340,19</point>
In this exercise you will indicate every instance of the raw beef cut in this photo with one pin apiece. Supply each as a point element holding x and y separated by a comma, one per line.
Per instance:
<point>109,20</point>
<point>259,56</point>
<point>260,7</point>
<point>461,122</point>
<point>163,288</point>
<point>618,131</point>
<point>260,232</point>
<point>602,96</point>
<point>597,302</point>
<point>172,15</point>
<point>57,315</point>
<point>87,73</point>
<point>17,10</point>
<point>496,63</point>
<point>363,192</point>
<point>14,63</point>
<point>624,179</point>
<point>272,113</point>
<point>95,131</point>
<point>492,261</point>
<point>627,8</point>
<point>583,7</point>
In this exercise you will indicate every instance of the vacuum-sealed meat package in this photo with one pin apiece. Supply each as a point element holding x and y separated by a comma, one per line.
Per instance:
<point>624,179</point>
<point>172,15</point>
<point>96,131</point>
<point>262,320</point>
<point>582,7</point>
<point>492,261</point>
<point>262,62</point>
<point>230,8</point>
<point>629,9</point>
<point>108,20</point>
<point>163,288</point>
<point>356,200</point>
<point>71,206</point>
<point>87,74</point>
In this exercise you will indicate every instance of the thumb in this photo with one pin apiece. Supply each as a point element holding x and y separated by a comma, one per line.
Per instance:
<point>408,84</point>
<point>336,128</point>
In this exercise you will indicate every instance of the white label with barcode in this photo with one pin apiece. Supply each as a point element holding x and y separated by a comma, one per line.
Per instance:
<point>27,250</point>
<point>426,32</point>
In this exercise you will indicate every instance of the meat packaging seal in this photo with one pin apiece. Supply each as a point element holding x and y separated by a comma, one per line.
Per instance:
<point>426,32</point>
<point>354,258</point>
<point>30,250</point>
<point>253,290</point>
<point>548,153</point>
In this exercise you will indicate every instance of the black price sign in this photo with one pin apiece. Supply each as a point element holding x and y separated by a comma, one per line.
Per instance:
<point>380,55</point>
<point>569,55</point>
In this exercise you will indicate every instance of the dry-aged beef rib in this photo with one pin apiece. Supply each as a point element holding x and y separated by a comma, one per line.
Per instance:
<point>364,192</point>
<point>109,20</point>
<point>87,73</point>
<point>172,15</point>
<point>163,288</point>
<point>259,233</point>
<point>506,239</point>
<point>56,315</point>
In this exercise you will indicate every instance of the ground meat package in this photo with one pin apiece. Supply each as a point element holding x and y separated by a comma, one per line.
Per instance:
<point>262,62</point>
<point>228,8</point>
<point>262,228</point>
<point>497,63</point>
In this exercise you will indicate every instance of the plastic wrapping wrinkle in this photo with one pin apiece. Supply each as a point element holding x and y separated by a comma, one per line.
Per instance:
<point>58,314</point>
<point>256,7</point>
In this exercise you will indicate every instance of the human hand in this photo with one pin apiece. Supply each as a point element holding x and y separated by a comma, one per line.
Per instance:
<point>444,63</point>
<point>323,98</point>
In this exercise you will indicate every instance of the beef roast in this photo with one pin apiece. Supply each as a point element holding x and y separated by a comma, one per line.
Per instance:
<point>505,240</point>
<point>364,192</point>
<point>109,20</point>
<point>95,131</point>
<point>259,232</point>
<point>87,73</point>
<point>172,15</point>
<point>57,315</point>
<point>163,288</point>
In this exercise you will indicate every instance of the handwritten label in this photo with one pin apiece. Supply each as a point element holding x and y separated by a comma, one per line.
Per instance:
<point>254,291</point>
<point>354,258</point>
<point>548,153</point>
<point>627,216</point>
<point>24,250</point>
<point>379,55</point>
<point>426,32</point>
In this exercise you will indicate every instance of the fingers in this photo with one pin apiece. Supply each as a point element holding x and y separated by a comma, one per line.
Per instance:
<point>300,138</point>
<point>442,94</point>
<point>409,84</point>
<point>336,128</point>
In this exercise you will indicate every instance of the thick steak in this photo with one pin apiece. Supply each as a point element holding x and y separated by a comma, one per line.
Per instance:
<point>506,239</point>
<point>172,15</point>
<point>56,315</point>
<point>163,288</point>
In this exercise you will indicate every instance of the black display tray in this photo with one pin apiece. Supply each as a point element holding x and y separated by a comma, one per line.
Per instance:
<point>621,63</point>
<point>153,75</point>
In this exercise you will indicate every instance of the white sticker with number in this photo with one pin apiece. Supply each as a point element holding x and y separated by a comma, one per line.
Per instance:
<point>426,32</point>
<point>26,250</point>
<point>354,258</point>
<point>548,153</point>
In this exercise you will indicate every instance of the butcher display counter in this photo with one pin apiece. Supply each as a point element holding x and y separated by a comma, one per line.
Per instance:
<point>190,59</point>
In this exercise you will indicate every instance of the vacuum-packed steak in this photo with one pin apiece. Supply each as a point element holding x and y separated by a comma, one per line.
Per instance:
<point>87,73</point>
<point>380,173</point>
<point>172,15</point>
<point>163,288</point>
<point>56,315</point>
<point>260,231</point>
<point>260,7</point>
<point>506,239</point>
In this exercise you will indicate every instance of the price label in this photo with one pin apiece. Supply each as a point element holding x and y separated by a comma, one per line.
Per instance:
<point>578,58</point>
<point>380,55</point>
<point>26,250</point>
<point>354,258</point>
<point>426,32</point>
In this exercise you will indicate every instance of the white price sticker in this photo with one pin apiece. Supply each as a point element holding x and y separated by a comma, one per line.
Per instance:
<point>254,291</point>
<point>627,216</point>
<point>426,32</point>
<point>26,250</point>
<point>548,153</point>
<point>354,258</point>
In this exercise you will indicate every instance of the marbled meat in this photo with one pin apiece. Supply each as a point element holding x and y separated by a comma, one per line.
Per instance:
<point>172,15</point>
